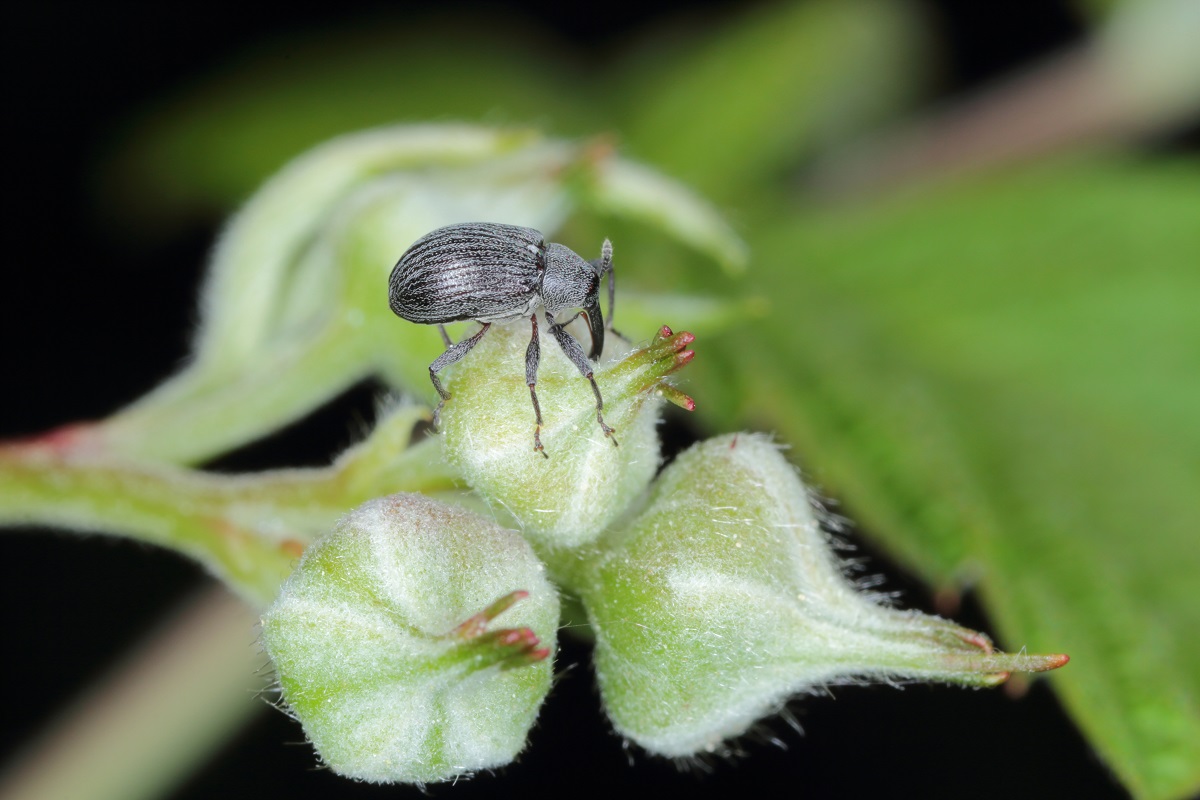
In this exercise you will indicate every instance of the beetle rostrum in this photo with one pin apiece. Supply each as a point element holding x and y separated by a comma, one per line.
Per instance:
<point>488,272</point>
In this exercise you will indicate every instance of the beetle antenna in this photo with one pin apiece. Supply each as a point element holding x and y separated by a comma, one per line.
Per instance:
<point>606,266</point>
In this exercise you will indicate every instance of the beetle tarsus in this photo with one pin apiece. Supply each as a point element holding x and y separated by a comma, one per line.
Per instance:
<point>607,430</point>
<point>537,441</point>
<point>599,409</point>
<point>537,429</point>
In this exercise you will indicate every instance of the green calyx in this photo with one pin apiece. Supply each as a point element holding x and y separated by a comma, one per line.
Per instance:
<point>722,600</point>
<point>587,479</point>
<point>383,642</point>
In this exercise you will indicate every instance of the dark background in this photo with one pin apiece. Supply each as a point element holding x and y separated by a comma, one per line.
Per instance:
<point>90,320</point>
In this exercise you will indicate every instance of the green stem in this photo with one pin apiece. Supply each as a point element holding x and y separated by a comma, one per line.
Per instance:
<point>248,529</point>
<point>174,508</point>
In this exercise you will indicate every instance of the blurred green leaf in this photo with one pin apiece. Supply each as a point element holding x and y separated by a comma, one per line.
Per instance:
<point>207,148</point>
<point>817,71</point>
<point>754,96</point>
<point>1002,379</point>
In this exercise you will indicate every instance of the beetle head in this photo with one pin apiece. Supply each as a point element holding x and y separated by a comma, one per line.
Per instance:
<point>571,282</point>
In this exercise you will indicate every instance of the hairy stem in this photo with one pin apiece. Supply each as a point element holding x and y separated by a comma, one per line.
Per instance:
<point>248,529</point>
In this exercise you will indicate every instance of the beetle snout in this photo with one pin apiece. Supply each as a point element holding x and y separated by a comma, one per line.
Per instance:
<point>596,325</point>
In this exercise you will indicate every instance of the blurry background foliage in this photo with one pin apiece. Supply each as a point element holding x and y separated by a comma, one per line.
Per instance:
<point>979,331</point>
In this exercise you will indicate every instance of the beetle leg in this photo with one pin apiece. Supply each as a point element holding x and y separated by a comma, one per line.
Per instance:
<point>607,324</point>
<point>575,352</point>
<point>445,336</point>
<point>533,355</point>
<point>453,353</point>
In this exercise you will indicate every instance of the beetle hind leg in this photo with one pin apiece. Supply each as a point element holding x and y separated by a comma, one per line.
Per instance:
<point>453,353</point>
<point>533,355</point>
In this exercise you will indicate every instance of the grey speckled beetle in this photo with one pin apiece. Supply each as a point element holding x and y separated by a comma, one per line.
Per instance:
<point>490,272</point>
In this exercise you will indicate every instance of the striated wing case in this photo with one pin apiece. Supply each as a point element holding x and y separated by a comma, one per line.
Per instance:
<point>468,271</point>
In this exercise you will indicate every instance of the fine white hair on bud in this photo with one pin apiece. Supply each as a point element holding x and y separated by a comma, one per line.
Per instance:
<point>587,479</point>
<point>723,599</point>
<point>415,642</point>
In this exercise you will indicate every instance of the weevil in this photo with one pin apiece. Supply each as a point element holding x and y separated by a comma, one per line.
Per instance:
<point>489,272</point>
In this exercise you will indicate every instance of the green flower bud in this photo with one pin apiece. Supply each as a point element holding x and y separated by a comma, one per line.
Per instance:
<point>383,643</point>
<point>723,599</point>
<point>566,499</point>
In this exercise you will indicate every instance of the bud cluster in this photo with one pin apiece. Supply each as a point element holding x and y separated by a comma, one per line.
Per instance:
<point>712,589</point>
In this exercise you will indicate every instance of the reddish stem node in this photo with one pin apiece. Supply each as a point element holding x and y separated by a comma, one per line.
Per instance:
<point>60,441</point>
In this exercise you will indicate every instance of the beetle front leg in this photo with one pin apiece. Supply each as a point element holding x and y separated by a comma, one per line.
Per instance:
<point>607,325</point>
<point>533,355</point>
<point>575,352</point>
<point>453,353</point>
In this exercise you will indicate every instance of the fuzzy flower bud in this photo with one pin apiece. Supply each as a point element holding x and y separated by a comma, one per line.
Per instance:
<point>568,498</point>
<point>386,651</point>
<point>723,599</point>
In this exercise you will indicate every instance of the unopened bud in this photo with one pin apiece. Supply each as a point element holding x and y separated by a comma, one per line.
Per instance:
<point>415,642</point>
<point>588,478</point>
<point>723,600</point>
